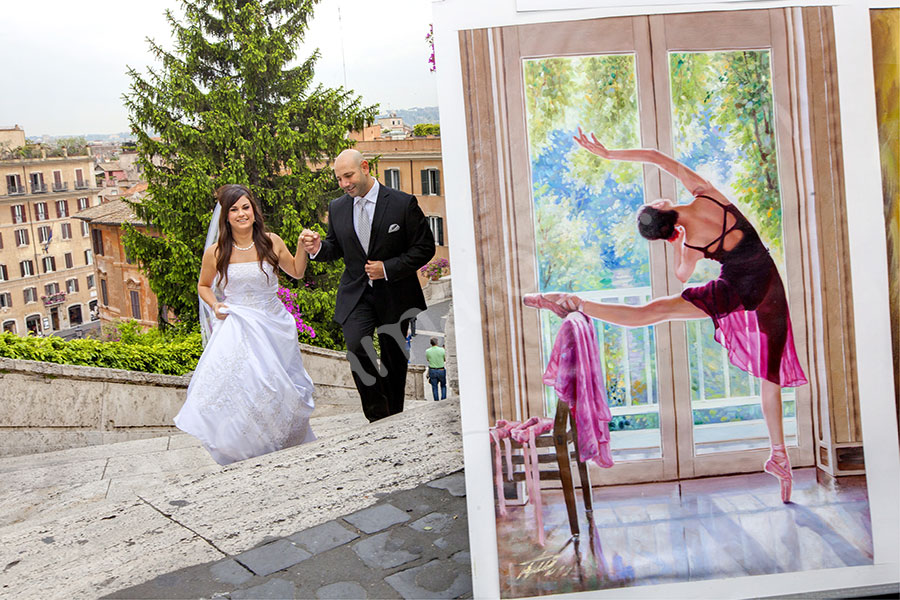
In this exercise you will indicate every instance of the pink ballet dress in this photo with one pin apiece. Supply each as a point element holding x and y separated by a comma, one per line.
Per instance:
<point>748,305</point>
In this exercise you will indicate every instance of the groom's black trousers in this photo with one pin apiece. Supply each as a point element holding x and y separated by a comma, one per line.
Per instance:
<point>381,390</point>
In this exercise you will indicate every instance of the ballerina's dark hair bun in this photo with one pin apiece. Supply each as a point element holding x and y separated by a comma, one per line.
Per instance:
<point>655,224</point>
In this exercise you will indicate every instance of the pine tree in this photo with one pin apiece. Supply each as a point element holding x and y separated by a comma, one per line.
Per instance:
<point>230,105</point>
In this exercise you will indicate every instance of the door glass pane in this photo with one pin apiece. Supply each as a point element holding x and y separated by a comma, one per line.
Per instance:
<point>724,128</point>
<point>585,237</point>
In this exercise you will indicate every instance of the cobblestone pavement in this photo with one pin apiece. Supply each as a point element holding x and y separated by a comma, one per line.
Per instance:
<point>430,323</point>
<point>411,544</point>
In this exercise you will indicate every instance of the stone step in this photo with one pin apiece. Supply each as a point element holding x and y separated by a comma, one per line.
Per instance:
<point>82,543</point>
<point>323,427</point>
<point>51,484</point>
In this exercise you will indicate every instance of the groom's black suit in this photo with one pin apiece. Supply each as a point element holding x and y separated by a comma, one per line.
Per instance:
<point>400,238</point>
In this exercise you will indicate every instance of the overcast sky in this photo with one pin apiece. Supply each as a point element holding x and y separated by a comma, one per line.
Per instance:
<point>64,62</point>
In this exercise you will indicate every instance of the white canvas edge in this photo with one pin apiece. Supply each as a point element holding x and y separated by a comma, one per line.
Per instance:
<point>869,273</point>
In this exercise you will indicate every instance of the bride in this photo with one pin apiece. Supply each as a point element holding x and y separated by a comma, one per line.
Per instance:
<point>249,394</point>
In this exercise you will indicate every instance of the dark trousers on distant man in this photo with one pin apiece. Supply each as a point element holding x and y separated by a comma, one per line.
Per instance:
<point>382,387</point>
<point>438,377</point>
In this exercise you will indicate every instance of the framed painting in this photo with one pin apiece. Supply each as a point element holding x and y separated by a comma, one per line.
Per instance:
<point>755,104</point>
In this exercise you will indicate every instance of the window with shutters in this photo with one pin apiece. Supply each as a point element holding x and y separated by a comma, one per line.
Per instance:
<point>5,300</point>
<point>27,268</point>
<point>40,211</point>
<point>88,257</point>
<point>136,304</point>
<point>437,228</point>
<point>51,288</point>
<point>37,183</point>
<point>97,238</point>
<point>30,294</point>
<point>66,229</point>
<point>45,232</point>
<point>90,282</point>
<point>85,229</point>
<point>431,182</point>
<point>4,274</point>
<point>69,262</point>
<point>62,208</point>
<point>83,203</point>
<point>392,178</point>
<point>49,263</point>
<point>18,213</point>
<point>21,237</point>
<point>104,295</point>
<point>80,182</point>
<point>14,185</point>
<point>71,285</point>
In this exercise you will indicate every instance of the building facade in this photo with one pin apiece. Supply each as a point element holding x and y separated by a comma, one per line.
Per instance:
<point>413,165</point>
<point>123,291</point>
<point>393,127</point>
<point>47,279</point>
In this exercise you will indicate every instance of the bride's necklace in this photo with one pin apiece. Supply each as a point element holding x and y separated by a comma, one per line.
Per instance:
<point>236,247</point>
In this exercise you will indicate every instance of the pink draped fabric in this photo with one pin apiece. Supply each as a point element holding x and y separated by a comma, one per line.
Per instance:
<point>748,347</point>
<point>575,373</point>
<point>524,434</point>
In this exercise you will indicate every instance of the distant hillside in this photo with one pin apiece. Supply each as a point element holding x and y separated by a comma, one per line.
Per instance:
<point>410,116</point>
<point>90,137</point>
<point>414,116</point>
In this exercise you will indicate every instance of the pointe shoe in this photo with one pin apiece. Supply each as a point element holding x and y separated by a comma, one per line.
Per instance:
<point>779,466</point>
<point>538,301</point>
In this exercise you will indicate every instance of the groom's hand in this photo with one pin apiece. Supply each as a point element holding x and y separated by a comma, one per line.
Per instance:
<point>375,269</point>
<point>311,241</point>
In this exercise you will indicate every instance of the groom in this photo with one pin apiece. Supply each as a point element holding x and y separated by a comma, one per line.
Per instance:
<point>383,237</point>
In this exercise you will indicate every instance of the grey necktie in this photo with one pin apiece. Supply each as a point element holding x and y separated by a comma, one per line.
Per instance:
<point>363,225</point>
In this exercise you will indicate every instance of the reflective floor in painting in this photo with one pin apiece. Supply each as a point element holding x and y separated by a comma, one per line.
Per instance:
<point>686,531</point>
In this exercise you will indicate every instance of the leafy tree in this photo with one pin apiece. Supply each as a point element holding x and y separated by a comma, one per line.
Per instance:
<point>422,129</point>
<point>563,258</point>
<point>724,126</point>
<point>229,107</point>
<point>73,145</point>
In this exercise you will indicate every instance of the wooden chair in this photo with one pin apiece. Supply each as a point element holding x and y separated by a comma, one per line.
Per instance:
<point>558,439</point>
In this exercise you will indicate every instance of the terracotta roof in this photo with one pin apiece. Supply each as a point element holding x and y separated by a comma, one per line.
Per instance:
<point>114,212</point>
<point>137,190</point>
<point>110,166</point>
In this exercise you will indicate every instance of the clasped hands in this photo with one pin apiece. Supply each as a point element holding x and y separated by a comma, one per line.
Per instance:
<point>312,243</point>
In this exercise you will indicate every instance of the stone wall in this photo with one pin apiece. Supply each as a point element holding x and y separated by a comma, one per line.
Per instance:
<point>46,406</point>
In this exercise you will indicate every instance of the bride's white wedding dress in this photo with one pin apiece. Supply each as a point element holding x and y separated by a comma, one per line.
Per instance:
<point>250,394</point>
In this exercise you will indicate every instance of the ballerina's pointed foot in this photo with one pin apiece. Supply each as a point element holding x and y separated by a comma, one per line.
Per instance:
<point>539,301</point>
<point>779,466</point>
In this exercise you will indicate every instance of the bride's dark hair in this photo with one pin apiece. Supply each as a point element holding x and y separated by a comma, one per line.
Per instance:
<point>226,196</point>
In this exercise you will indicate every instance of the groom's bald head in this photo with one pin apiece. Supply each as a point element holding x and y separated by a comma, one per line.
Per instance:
<point>352,172</point>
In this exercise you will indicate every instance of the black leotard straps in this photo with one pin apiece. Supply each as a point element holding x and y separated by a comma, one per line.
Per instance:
<point>721,238</point>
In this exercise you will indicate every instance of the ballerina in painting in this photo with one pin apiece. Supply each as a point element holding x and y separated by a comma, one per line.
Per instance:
<point>747,302</point>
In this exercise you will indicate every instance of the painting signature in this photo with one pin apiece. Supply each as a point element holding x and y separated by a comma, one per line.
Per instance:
<point>548,566</point>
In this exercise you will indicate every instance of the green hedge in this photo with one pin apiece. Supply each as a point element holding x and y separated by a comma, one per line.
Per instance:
<point>150,352</point>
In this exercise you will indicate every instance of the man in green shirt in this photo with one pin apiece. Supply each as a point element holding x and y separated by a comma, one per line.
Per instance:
<point>437,374</point>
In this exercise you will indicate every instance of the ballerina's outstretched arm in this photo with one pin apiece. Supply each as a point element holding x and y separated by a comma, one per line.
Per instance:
<point>692,180</point>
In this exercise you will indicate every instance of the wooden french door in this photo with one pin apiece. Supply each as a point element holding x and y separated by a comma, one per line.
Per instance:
<point>680,410</point>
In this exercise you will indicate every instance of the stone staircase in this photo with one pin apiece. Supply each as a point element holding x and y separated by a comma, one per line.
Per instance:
<point>88,521</point>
